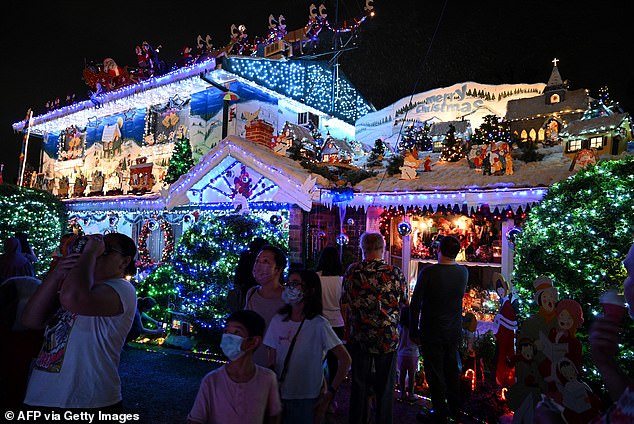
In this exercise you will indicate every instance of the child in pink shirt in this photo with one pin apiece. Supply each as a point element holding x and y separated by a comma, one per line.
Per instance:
<point>239,392</point>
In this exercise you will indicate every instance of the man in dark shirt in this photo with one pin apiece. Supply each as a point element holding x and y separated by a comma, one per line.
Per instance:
<point>436,324</point>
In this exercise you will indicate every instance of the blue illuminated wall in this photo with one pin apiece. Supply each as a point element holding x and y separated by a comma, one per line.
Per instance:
<point>132,129</point>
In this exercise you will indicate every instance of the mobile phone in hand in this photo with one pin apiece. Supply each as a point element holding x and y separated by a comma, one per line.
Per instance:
<point>79,244</point>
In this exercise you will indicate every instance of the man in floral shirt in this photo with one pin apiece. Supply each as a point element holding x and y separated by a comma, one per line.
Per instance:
<point>373,292</point>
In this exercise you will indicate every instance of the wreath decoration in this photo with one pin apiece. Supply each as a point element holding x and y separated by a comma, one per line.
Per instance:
<point>168,240</point>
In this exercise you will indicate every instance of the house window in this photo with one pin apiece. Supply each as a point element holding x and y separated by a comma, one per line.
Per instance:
<point>533,134</point>
<point>304,117</point>
<point>596,143</point>
<point>554,99</point>
<point>574,145</point>
<point>540,134</point>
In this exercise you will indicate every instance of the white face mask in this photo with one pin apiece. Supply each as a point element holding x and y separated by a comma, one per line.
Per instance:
<point>292,295</point>
<point>230,345</point>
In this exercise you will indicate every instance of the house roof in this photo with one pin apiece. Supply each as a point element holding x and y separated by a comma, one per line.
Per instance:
<point>301,132</point>
<point>594,125</point>
<point>456,183</point>
<point>313,77</point>
<point>526,108</point>
<point>183,82</point>
<point>339,146</point>
<point>294,184</point>
<point>330,148</point>
<point>312,84</point>
<point>441,128</point>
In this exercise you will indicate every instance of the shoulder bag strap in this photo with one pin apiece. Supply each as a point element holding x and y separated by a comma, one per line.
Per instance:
<point>288,354</point>
<point>250,294</point>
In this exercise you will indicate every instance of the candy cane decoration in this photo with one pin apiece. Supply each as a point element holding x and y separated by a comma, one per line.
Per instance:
<point>471,374</point>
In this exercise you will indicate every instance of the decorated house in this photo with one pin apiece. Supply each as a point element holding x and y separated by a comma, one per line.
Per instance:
<point>604,134</point>
<point>146,119</point>
<point>120,148</point>
<point>438,132</point>
<point>542,118</point>
<point>244,136</point>
<point>484,201</point>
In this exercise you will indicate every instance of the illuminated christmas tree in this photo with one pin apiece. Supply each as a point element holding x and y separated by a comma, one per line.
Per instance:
<point>578,236</point>
<point>200,275</point>
<point>491,131</point>
<point>416,137</point>
<point>453,150</point>
<point>182,159</point>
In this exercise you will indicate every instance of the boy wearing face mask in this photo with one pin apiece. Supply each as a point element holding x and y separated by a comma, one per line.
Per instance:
<point>239,392</point>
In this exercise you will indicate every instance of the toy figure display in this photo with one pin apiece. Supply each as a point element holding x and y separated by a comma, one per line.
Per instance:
<point>522,397</point>
<point>505,335</point>
<point>548,365</point>
<point>410,164</point>
<point>427,164</point>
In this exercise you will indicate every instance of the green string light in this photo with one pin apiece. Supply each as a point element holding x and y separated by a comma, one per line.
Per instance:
<point>198,278</point>
<point>38,214</point>
<point>578,235</point>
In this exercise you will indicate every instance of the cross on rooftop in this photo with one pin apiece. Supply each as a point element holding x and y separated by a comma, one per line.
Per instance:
<point>555,60</point>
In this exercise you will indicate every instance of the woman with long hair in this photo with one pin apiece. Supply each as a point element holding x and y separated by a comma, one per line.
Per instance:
<point>298,339</point>
<point>330,271</point>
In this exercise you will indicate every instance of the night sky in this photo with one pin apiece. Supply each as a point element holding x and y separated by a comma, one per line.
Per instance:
<point>410,46</point>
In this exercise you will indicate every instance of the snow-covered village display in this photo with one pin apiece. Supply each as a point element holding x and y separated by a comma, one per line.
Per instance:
<point>247,130</point>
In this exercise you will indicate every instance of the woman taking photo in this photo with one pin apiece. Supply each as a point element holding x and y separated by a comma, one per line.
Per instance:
<point>298,339</point>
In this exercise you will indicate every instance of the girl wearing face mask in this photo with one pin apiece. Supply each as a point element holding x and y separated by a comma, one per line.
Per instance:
<point>298,339</point>
<point>266,297</point>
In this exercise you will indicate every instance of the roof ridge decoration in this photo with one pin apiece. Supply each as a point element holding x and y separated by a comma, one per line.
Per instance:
<point>555,80</point>
<point>513,198</point>
<point>312,84</point>
<point>182,81</point>
<point>239,171</point>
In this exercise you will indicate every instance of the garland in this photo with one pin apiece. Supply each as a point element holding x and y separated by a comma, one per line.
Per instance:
<point>168,240</point>
<point>90,217</point>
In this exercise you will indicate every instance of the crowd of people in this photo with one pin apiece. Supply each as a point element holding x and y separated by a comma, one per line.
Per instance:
<point>289,345</point>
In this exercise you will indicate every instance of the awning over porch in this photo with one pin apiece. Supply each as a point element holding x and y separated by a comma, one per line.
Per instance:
<point>240,172</point>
